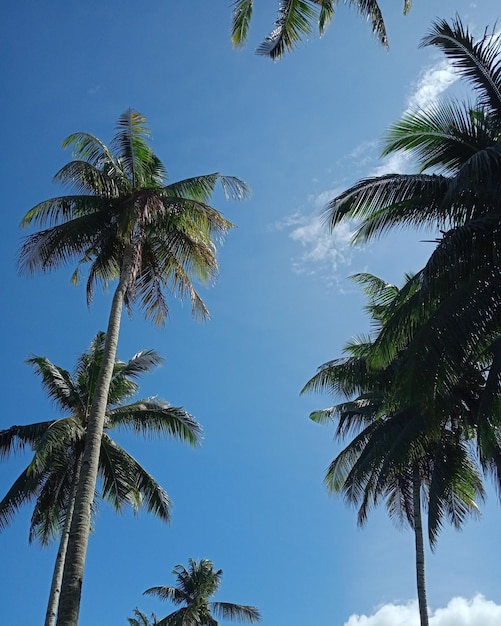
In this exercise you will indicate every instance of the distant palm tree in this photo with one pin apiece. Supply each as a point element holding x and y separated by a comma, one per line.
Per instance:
<point>51,479</point>
<point>131,226</point>
<point>296,20</point>
<point>399,451</point>
<point>195,586</point>
<point>455,315</point>
<point>141,619</point>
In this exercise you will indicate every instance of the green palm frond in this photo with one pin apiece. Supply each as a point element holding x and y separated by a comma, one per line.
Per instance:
<point>444,136</point>
<point>389,201</point>
<point>57,383</point>
<point>125,482</point>
<point>24,489</point>
<point>153,417</point>
<point>294,21</point>
<point>173,594</point>
<point>15,438</point>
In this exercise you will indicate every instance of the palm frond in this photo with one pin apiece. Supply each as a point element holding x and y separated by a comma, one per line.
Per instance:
<point>236,612</point>
<point>385,202</point>
<point>479,63</point>
<point>241,17</point>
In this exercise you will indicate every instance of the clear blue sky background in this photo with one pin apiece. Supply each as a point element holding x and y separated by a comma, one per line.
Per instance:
<point>251,498</point>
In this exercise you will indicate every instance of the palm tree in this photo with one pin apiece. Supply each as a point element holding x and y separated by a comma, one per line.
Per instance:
<point>130,225</point>
<point>141,619</point>
<point>52,476</point>
<point>455,314</point>
<point>296,20</point>
<point>398,451</point>
<point>195,586</point>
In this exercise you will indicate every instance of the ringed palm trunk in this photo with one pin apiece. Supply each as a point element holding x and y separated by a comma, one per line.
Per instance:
<point>71,588</point>
<point>57,576</point>
<point>419,543</point>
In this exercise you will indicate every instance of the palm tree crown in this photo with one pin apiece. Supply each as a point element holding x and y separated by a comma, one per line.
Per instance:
<point>195,586</point>
<point>124,215</point>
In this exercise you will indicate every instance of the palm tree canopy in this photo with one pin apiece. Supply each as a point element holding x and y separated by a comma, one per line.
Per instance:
<point>393,438</point>
<point>195,586</point>
<point>56,443</point>
<point>454,309</point>
<point>296,20</point>
<point>123,213</point>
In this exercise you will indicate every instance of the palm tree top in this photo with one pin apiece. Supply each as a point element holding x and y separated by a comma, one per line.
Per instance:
<point>125,220</point>
<point>196,584</point>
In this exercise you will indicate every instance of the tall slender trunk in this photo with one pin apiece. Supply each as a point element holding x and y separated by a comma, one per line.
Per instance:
<point>418,537</point>
<point>57,576</point>
<point>71,588</point>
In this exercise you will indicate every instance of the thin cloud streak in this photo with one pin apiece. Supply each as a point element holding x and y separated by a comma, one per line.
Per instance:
<point>325,252</point>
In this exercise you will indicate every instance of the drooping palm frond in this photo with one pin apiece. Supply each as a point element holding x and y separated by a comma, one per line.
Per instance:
<point>241,17</point>
<point>236,612</point>
<point>389,201</point>
<point>296,20</point>
<point>478,62</point>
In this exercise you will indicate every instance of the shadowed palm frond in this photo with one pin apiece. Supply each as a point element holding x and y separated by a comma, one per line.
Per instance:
<point>236,612</point>
<point>479,63</point>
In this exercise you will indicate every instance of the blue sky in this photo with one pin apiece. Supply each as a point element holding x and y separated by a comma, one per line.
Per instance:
<point>298,131</point>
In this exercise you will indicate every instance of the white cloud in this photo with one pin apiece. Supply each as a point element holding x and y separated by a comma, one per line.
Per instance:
<point>322,250</point>
<point>459,612</point>
<point>431,85</point>
<point>426,93</point>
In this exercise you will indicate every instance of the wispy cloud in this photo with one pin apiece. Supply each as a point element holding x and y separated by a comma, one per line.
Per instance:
<point>327,253</point>
<point>425,94</point>
<point>459,612</point>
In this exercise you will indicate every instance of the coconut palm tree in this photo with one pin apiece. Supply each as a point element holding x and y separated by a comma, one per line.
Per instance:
<point>130,226</point>
<point>296,20</point>
<point>398,452</point>
<point>455,314</point>
<point>195,586</point>
<point>141,619</point>
<point>51,478</point>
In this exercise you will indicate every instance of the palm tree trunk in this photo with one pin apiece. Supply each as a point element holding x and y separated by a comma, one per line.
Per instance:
<point>418,537</point>
<point>57,576</point>
<point>71,588</point>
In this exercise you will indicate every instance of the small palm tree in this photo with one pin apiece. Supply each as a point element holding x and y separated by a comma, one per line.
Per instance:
<point>130,225</point>
<point>399,451</point>
<point>51,478</point>
<point>141,619</point>
<point>195,586</point>
<point>296,20</point>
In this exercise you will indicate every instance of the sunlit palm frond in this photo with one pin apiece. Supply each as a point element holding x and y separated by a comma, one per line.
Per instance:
<point>15,438</point>
<point>155,417</point>
<point>240,22</point>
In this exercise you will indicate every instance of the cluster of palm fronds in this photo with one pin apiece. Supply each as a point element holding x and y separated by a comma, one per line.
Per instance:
<point>422,393</point>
